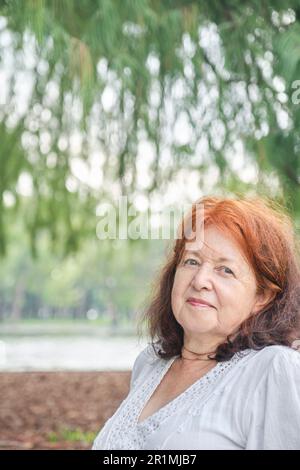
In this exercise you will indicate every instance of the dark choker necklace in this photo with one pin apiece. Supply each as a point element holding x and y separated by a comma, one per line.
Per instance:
<point>197,354</point>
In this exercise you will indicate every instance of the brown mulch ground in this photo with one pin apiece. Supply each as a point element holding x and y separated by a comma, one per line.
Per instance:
<point>57,410</point>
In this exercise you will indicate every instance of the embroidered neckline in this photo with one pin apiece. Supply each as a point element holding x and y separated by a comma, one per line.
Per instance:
<point>156,384</point>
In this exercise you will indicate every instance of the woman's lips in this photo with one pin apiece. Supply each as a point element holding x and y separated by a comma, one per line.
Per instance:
<point>198,304</point>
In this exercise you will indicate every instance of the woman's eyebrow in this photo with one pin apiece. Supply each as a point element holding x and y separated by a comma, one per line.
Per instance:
<point>218,260</point>
<point>227,260</point>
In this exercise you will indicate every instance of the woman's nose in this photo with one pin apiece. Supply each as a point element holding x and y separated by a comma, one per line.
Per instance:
<point>203,277</point>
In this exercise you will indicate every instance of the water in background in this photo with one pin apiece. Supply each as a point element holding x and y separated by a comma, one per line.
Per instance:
<point>68,353</point>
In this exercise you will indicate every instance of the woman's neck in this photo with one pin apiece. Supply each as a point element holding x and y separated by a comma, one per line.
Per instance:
<point>196,349</point>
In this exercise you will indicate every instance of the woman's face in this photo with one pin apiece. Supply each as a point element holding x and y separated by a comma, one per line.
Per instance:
<point>229,286</point>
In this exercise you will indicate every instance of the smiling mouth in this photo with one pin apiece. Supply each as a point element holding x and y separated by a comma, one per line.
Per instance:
<point>198,304</point>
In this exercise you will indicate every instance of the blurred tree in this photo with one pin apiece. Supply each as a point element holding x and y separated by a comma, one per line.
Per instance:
<point>108,278</point>
<point>87,82</point>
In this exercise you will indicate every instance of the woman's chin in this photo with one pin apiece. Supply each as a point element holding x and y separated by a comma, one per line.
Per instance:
<point>199,326</point>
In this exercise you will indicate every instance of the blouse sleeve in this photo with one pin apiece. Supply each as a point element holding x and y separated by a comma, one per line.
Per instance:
<point>274,417</point>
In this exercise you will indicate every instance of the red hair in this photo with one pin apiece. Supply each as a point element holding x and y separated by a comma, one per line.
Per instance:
<point>264,232</point>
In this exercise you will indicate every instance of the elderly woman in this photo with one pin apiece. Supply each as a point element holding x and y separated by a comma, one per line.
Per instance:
<point>221,371</point>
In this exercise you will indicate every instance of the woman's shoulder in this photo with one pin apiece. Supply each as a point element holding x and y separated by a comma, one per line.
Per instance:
<point>272,362</point>
<point>262,374</point>
<point>146,359</point>
<point>283,361</point>
<point>149,353</point>
<point>278,354</point>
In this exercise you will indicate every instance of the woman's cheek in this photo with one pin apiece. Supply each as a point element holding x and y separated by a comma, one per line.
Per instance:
<point>173,300</point>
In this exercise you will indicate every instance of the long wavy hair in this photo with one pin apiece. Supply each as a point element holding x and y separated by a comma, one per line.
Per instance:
<point>264,232</point>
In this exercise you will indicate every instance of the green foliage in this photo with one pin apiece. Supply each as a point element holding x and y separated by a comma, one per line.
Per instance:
<point>225,68</point>
<point>112,279</point>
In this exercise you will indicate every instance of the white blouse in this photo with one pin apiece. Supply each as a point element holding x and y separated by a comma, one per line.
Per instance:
<point>251,401</point>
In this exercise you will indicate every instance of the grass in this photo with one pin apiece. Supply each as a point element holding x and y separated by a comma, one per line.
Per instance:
<point>72,435</point>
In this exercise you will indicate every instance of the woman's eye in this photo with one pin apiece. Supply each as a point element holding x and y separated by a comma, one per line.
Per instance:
<point>190,259</point>
<point>225,267</point>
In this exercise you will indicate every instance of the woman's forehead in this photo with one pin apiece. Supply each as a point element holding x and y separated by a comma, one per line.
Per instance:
<point>214,244</point>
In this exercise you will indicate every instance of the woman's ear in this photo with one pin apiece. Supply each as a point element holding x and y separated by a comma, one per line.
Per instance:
<point>263,299</point>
